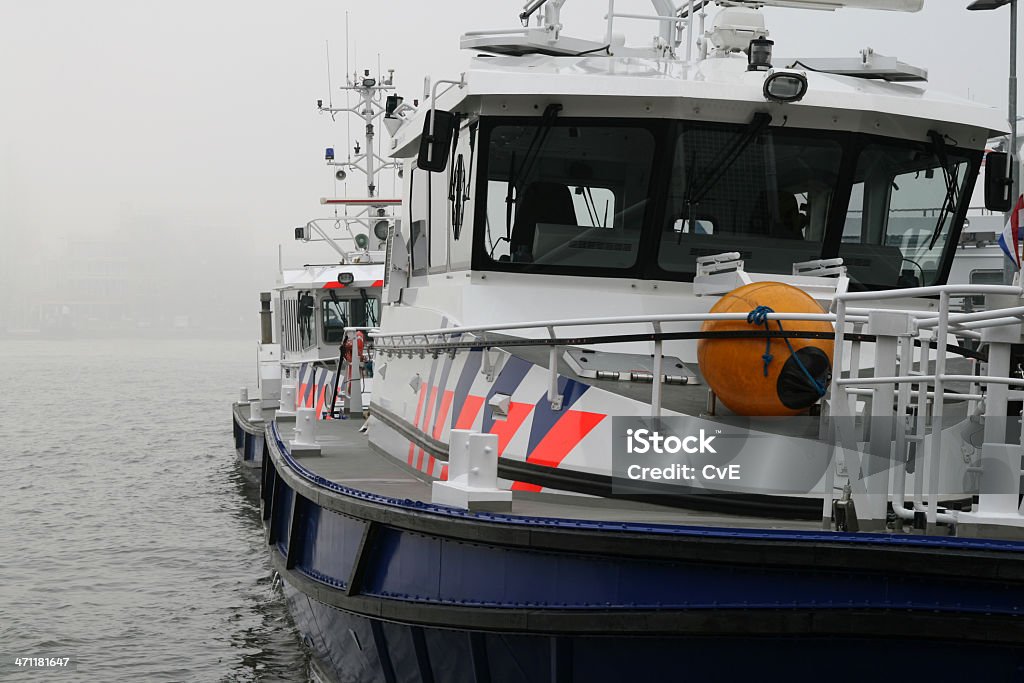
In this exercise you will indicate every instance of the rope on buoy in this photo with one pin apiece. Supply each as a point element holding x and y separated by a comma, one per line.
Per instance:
<point>759,316</point>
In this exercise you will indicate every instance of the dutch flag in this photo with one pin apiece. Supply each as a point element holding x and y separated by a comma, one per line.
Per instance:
<point>1009,239</point>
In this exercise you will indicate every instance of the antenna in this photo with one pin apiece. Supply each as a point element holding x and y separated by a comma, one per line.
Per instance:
<point>348,79</point>
<point>330,90</point>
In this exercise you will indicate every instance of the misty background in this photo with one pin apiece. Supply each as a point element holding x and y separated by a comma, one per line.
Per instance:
<point>154,155</point>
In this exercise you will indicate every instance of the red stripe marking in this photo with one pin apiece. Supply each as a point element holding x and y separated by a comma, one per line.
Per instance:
<point>424,426</point>
<point>300,395</point>
<point>446,404</point>
<point>430,465</point>
<point>470,409</point>
<point>507,428</point>
<point>570,429</point>
<point>333,285</point>
<point>523,486</point>
<point>444,472</point>
<point>416,421</point>
<point>321,396</point>
<point>430,410</point>
<point>377,283</point>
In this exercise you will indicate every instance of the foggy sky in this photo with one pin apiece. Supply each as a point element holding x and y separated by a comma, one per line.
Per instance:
<point>186,131</point>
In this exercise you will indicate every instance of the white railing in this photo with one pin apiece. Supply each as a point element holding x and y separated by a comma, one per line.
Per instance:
<point>430,340</point>
<point>893,399</point>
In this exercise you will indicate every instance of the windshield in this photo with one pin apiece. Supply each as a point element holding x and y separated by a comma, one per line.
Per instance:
<point>899,221</point>
<point>770,204</point>
<point>577,200</point>
<point>647,198</point>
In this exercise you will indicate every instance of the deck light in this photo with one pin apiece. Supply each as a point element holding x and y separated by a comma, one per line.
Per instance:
<point>380,230</point>
<point>759,54</point>
<point>345,278</point>
<point>785,87</point>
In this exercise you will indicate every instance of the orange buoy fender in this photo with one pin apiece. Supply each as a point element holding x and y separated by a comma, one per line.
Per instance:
<point>757,376</point>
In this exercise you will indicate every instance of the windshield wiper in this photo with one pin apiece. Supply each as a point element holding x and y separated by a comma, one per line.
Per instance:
<point>720,166</point>
<point>540,136</point>
<point>729,155</point>
<point>949,203</point>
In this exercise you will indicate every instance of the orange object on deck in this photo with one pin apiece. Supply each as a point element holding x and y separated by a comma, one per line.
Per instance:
<point>754,377</point>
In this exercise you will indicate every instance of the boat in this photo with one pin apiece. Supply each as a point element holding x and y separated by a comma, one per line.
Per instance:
<point>302,356</point>
<point>668,381</point>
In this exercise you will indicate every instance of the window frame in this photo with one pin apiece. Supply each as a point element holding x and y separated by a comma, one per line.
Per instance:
<point>665,131</point>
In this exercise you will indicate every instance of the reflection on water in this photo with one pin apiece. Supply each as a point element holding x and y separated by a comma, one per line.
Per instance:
<point>132,541</point>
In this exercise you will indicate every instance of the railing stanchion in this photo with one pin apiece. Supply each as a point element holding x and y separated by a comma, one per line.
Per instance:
<point>657,373</point>
<point>837,412</point>
<point>935,452</point>
<point>553,396</point>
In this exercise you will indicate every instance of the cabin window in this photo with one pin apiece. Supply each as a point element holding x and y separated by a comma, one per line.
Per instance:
<point>337,314</point>
<point>461,178</point>
<point>306,320</point>
<point>766,197</point>
<point>567,196</point>
<point>290,325</point>
<point>901,214</point>
<point>984,277</point>
<point>334,317</point>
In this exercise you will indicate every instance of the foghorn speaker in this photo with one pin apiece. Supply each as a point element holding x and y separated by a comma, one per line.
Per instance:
<point>758,376</point>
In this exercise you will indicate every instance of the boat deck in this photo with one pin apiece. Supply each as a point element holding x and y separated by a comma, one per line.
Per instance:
<point>348,459</point>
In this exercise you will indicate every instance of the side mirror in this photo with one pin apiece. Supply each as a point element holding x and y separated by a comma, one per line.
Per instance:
<point>435,147</point>
<point>998,183</point>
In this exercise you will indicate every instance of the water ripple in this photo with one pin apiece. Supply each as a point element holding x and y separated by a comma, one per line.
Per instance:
<point>130,544</point>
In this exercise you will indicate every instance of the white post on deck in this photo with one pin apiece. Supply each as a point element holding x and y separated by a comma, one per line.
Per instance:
<point>1000,461</point>
<point>889,327</point>
<point>935,452</point>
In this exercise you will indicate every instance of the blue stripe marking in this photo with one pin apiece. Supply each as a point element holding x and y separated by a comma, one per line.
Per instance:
<point>544,418</point>
<point>474,360</point>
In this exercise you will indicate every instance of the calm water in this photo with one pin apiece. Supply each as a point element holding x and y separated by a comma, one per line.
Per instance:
<point>129,543</point>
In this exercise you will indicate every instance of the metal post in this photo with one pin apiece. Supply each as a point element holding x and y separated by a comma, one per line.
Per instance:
<point>611,19</point>
<point>689,35</point>
<point>1009,270</point>
<point>935,455</point>
<point>657,374</point>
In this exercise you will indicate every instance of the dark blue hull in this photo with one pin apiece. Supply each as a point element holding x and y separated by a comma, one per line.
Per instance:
<point>351,647</point>
<point>401,590</point>
<point>249,440</point>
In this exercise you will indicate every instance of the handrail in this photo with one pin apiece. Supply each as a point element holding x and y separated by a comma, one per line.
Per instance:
<point>614,320</point>
<point>933,290</point>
